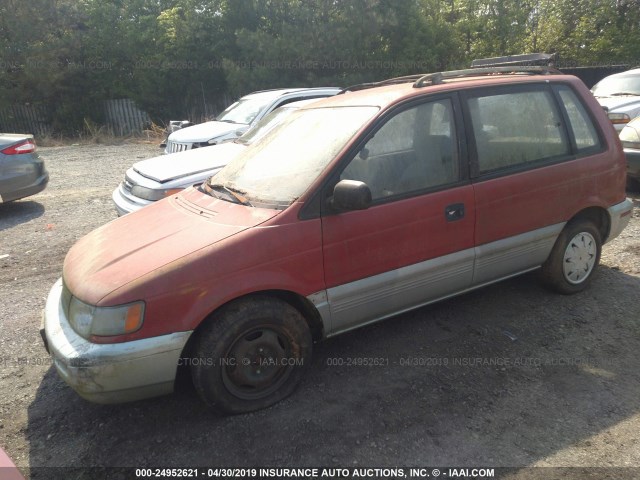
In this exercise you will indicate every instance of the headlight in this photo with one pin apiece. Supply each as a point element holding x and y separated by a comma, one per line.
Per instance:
<point>630,137</point>
<point>619,118</point>
<point>223,138</point>
<point>152,194</point>
<point>88,320</point>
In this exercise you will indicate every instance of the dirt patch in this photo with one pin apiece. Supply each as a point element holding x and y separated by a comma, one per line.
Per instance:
<point>510,375</point>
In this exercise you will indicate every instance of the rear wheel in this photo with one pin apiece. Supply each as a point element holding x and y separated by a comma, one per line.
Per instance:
<point>573,258</point>
<point>250,355</point>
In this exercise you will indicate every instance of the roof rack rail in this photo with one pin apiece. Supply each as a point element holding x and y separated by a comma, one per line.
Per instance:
<point>381,83</point>
<point>421,79</point>
<point>437,78</point>
<point>530,59</point>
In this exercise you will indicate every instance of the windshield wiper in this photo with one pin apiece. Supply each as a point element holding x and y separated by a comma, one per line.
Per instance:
<point>204,187</point>
<point>622,94</point>
<point>225,121</point>
<point>233,193</point>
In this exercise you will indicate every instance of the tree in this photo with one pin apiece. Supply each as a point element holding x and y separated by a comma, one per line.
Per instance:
<point>187,58</point>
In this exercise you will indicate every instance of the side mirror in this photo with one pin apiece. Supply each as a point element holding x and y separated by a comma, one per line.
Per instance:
<point>351,195</point>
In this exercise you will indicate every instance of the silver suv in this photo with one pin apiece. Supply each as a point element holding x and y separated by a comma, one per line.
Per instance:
<point>619,94</point>
<point>156,178</point>
<point>239,116</point>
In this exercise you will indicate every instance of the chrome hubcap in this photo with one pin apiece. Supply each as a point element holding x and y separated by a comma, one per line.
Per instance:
<point>579,258</point>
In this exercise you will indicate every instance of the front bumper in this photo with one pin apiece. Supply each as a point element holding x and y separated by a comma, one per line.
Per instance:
<point>125,202</point>
<point>620,214</point>
<point>110,373</point>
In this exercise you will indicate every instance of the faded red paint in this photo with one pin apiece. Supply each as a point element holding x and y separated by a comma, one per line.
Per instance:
<point>8,469</point>
<point>188,255</point>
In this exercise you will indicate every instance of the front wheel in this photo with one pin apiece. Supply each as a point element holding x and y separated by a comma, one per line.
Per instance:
<point>250,355</point>
<point>573,259</point>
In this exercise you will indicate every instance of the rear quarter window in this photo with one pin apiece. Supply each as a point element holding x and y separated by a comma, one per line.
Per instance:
<point>584,132</point>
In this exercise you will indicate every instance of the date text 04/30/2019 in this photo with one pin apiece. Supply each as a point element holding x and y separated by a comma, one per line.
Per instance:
<point>315,472</point>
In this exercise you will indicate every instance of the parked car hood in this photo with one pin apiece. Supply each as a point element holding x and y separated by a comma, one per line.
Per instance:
<point>178,165</point>
<point>206,131</point>
<point>619,102</point>
<point>149,239</point>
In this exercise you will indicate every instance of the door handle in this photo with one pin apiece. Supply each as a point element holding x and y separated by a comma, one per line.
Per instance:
<point>454,212</point>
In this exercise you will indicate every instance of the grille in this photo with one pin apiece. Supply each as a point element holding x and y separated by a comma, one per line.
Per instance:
<point>175,147</point>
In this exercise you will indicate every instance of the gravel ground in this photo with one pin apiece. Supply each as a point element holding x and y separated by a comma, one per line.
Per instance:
<point>507,376</point>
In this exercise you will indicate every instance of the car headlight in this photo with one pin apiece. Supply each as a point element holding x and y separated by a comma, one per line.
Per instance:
<point>224,138</point>
<point>629,137</point>
<point>619,118</point>
<point>88,320</point>
<point>153,195</point>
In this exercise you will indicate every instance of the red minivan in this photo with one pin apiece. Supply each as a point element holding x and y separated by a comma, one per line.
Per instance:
<point>356,208</point>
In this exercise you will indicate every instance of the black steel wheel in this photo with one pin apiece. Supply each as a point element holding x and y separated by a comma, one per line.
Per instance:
<point>250,355</point>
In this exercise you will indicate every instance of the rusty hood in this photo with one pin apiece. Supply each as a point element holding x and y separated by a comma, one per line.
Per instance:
<point>137,244</point>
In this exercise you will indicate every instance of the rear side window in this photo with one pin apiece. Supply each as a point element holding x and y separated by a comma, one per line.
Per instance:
<point>516,128</point>
<point>583,130</point>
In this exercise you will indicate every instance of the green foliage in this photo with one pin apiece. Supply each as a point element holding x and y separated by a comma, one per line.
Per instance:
<point>178,58</point>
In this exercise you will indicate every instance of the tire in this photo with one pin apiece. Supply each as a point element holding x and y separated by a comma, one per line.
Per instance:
<point>250,354</point>
<point>573,259</point>
<point>633,184</point>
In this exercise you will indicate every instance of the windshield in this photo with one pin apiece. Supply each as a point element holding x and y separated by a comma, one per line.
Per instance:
<point>624,85</point>
<point>265,125</point>
<point>279,168</point>
<point>244,111</point>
